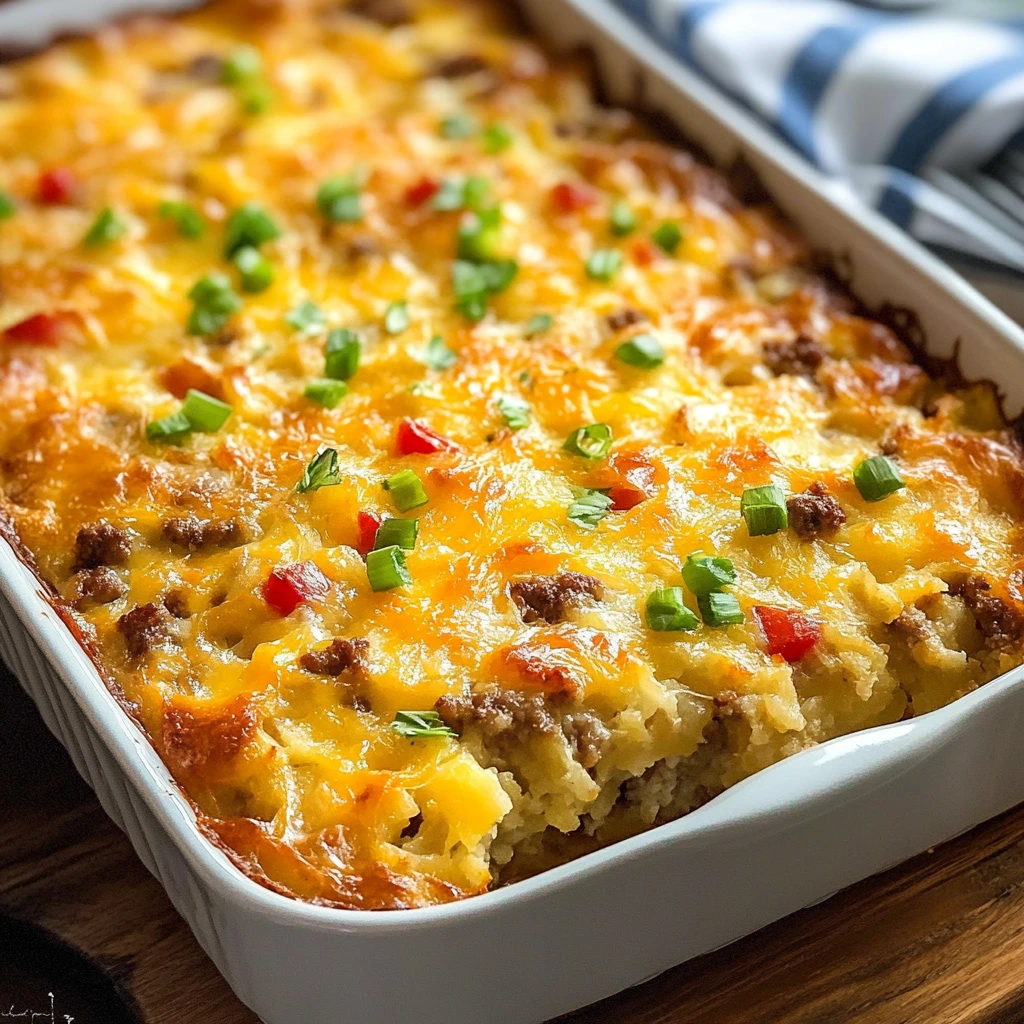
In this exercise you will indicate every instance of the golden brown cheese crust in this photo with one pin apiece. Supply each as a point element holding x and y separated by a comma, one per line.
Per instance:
<point>564,721</point>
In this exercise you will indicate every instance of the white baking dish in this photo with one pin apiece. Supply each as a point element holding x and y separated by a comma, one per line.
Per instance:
<point>778,841</point>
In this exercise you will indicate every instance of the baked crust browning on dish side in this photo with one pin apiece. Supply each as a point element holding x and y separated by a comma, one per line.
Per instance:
<point>285,281</point>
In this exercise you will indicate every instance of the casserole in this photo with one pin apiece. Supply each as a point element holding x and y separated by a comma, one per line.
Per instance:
<point>473,1002</point>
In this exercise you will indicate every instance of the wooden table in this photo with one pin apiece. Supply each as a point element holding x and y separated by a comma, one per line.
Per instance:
<point>936,941</point>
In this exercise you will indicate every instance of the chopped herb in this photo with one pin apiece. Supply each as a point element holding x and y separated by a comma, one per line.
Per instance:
<point>7,207</point>
<point>339,199</point>
<point>589,507</point>
<point>704,574</point>
<point>462,193</point>
<point>255,271</point>
<point>666,611</point>
<point>307,317</point>
<point>515,411</point>
<point>496,138</point>
<point>643,351</point>
<point>204,412</point>
<point>406,490</point>
<point>764,509</point>
<point>170,428</point>
<point>241,64</point>
<point>107,227</point>
<point>719,609</point>
<point>385,568</point>
<point>667,237</point>
<point>322,471</point>
<point>398,532</point>
<point>591,442</point>
<point>214,303</point>
<point>604,264</point>
<point>420,725</point>
<point>438,355</point>
<point>876,478</point>
<point>458,126</point>
<point>475,283</point>
<point>622,219</point>
<point>188,219</point>
<point>538,324</point>
<point>326,392</point>
<point>396,318</point>
<point>256,96</point>
<point>342,352</point>
<point>249,225</point>
<point>479,234</point>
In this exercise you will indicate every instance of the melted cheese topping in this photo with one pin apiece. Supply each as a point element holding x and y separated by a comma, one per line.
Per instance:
<point>576,723</point>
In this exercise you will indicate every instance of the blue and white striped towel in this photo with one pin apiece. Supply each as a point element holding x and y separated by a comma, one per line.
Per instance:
<point>922,114</point>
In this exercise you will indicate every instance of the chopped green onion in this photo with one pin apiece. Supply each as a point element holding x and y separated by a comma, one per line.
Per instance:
<point>479,234</point>
<point>515,411</point>
<point>496,138</point>
<point>458,126</point>
<point>249,225</point>
<point>438,355</point>
<point>704,574</point>
<point>876,478</point>
<point>719,609</point>
<point>385,568</point>
<point>538,324</point>
<point>396,318</point>
<point>214,303</point>
<point>255,270</point>
<point>764,509</point>
<point>667,612</point>
<point>622,219</point>
<point>420,725</point>
<point>475,283</point>
<point>397,532</point>
<point>462,193</point>
<point>342,352</point>
<point>169,428</point>
<point>322,471</point>
<point>204,412</point>
<point>307,317</point>
<point>188,220</point>
<point>7,207</point>
<point>406,490</point>
<point>241,64</point>
<point>257,96</point>
<point>643,351</point>
<point>339,199</point>
<point>326,392</point>
<point>589,507</point>
<point>591,442</point>
<point>604,264</point>
<point>107,227</point>
<point>667,237</point>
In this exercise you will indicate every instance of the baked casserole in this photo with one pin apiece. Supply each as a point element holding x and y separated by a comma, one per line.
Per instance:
<point>448,477</point>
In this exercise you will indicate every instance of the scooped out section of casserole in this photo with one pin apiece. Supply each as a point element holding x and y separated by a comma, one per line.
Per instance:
<point>449,477</point>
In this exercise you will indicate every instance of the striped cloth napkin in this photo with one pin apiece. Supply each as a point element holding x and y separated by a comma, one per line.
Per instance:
<point>921,113</point>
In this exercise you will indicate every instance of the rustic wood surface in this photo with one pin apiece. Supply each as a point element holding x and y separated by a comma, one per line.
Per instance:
<point>940,939</point>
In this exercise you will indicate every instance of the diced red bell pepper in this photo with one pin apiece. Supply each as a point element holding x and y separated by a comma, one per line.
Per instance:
<point>787,633</point>
<point>422,191</point>
<point>625,496</point>
<point>643,253</point>
<point>291,585</point>
<point>57,186</point>
<point>416,438</point>
<point>369,524</point>
<point>42,329</point>
<point>567,197</point>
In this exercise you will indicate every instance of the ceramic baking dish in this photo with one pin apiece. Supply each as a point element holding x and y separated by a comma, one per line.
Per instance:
<point>776,842</point>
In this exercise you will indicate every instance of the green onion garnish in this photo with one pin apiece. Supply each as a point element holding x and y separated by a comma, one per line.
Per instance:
<point>438,356</point>
<point>719,609</point>
<point>204,412</point>
<point>604,264</point>
<point>496,138</point>
<point>475,283</point>
<point>396,318</point>
<point>643,351</point>
<point>457,126</point>
<point>479,234</point>
<point>342,352</point>
<point>764,509</point>
<point>515,411</point>
<point>107,227</point>
<point>877,477</point>
<point>249,225</point>
<point>7,207</point>
<point>591,442</point>
<point>667,612</point>
<point>241,64</point>
<point>667,237</point>
<point>256,96</point>
<point>622,219</point>
<point>462,194</point>
<point>339,199</point>
<point>704,574</point>
<point>214,303</point>
<point>326,392</point>
<point>538,324</point>
<point>589,507</point>
<point>406,490</point>
<point>385,568</point>
<point>420,725</point>
<point>188,219</point>
<point>322,471</point>
<point>169,428</point>
<point>307,317</point>
<point>256,272</point>
<point>397,532</point>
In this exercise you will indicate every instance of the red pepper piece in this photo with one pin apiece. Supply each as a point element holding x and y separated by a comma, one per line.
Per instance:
<point>787,633</point>
<point>422,191</point>
<point>625,496</point>
<point>57,186</point>
<point>416,438</point>
<point>569,198</point>
<point>42,329</point>
<point>369,524</point>
<point>291,585</point>
<point>643,252</point>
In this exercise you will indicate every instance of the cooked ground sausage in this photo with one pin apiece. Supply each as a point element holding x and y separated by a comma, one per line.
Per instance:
<point>389,13</point>
<point>498,714</point>
<point>143,628</point>
<point>206,67</point>
<point>550,598</point>
<point>339,657</point>
<point>177,603</point>
<point>459,65</point>
<point>624,318</point>
<point>193,534</point>
<point>998,621</point>
<point>98,586</point>
<point>815,513</point>
<point>101,544</point>
<point>587,735</point>
<point>798,358</point>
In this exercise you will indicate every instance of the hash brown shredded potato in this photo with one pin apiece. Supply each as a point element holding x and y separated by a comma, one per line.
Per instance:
<point>259,259</point>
